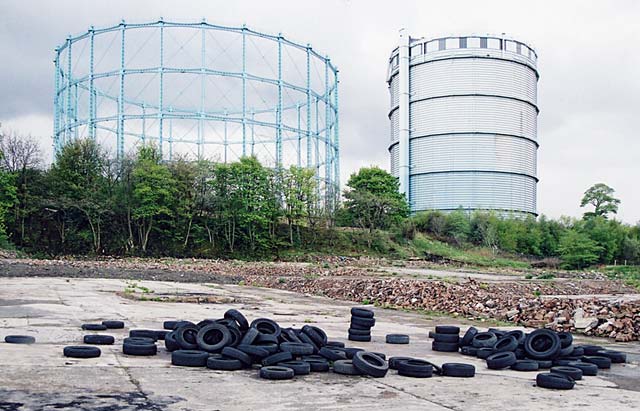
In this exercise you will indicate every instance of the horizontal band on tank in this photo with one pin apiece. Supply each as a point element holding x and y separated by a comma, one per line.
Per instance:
<point>465,133</point>
<point>468,95</point>
<point>471,209</point>
<point>395,72</point>
<point>474,171</point>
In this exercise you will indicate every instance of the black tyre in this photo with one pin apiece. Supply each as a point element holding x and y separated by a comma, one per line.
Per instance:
<point>338,344</point>
<point>225,364</point>
<point>357,331</point>
<point>249,337</point>
<point>113,324</point>
<point>501,360</point>
<point>525,365</point>
<point>601,362</point>
<point>520,353</point>
<point>317,335</point>
<point>397,339</point>
<point>483,353</point>
<point>270,347</point>
<point>138,340</point>
<point>542,344</point>
<point>573,372</point>
<point>565,352</point>
<point>345,367</point>
<point>447,329</point>
<point>469,350</point>
<point>237,316</point>
<point>266,339</point>
<point>370,364</point>
<point>351,351</point>
<point>235,353</point>
<point>587,368</point>
<point>362,322</point>
<point>564,361</point>
<point>468,336</point>
<point>98,339</point>
<point>415,368</point>
<point>458,370</point>
<point>187,337</point>
<point>189,358</point>
<point>94,327</point>
<point>254,351</point>
<point>140,349</point>
<point>544,364</point>
<point>276,358</point>
<point>298,367</point>
<point>379,354</point>
<point>276,373</point>
<point>213,338</point>
<point>332,354</point>
<point>444,347</point>
<point>144,333</point>
<point>393,361</point>
<point>236,336</point>
<point>362,312</point>
<point>360,338</point>
<point>81,351</point>
<point>19,339</point>
<point>555,381</point>
<point>266,326</point>
<point>484,340</point>
<point>616,357</point>
<point>170,342</point>
<point>288,335</point>
<point>506,343</point>
<point>566,339</point>
<point>297,349</point>
<point>518,335</point>
<point>170,324</point>
<point>591,349</point>
<point>307,340</point>
<point>317,365</point>
<point>577,351</point>
<point>446,338</point>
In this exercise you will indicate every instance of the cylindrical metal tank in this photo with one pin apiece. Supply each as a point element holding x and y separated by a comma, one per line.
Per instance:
<point>470,112</point>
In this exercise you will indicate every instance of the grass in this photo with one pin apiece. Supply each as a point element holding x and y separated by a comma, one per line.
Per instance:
<point>423,245</point>
<point>630,274</point>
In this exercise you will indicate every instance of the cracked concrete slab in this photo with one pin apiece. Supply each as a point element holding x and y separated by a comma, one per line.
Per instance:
<point>38,376</point>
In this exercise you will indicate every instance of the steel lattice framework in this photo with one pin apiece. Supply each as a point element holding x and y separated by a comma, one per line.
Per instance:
<point>200,90</point>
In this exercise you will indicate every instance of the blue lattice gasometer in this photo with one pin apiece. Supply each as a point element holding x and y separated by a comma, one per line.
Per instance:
<point>202,91</point>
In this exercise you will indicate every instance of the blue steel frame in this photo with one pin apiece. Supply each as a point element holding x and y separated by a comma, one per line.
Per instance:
<point>68,124</point>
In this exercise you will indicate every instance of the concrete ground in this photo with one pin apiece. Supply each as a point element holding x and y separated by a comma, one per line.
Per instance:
<point>39,377</point>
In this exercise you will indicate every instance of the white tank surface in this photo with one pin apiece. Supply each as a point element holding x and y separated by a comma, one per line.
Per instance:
<point>464,123</point>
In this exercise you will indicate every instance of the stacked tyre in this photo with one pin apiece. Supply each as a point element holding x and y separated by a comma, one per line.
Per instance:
<point>446,338</point>
<point>362,320</point>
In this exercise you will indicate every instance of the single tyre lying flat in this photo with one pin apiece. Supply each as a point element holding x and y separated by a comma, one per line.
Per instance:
<point>298,367</point>
<point>525,365</point>
<point>276,373</point>
<point>555,381</point>
<point>458,370</point>
<point>81,351</point>
<point>98,339</point>
<point>345,367</point>
<point>94,327</point>
<point>415,368</point>
<point>501,360</point>
<point>226,364</point>
<point>189,358</point>
<point>113,324</point>
<point>19,339</point>
<point>140,349</point>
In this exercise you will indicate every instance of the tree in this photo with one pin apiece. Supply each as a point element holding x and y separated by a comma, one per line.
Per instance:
<point>299,190</point>
<point>154,192</point>
<point>458,226</point>
<point>78,184</point>
<point>373,199</point>
<point>600,196</point>
<point>577,250</point>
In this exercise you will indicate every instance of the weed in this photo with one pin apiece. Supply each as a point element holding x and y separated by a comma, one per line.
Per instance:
<point>537,293</point>
<point>282,280</point>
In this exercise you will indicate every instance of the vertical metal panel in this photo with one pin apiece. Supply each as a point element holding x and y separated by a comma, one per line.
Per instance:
<point>395,125</point>
<point>394,160</point>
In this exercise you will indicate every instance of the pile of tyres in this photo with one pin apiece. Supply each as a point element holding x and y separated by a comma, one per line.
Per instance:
<point>542,349</point>
<point>362,321</point>
<point>232,343</point>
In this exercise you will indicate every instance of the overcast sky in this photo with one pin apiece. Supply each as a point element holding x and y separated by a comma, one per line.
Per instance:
<point>589,59</point>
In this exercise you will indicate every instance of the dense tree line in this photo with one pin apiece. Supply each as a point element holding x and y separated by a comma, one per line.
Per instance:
<point>87,203</point>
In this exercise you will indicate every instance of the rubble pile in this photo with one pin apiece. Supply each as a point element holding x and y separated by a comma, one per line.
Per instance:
<point>520,303</point>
